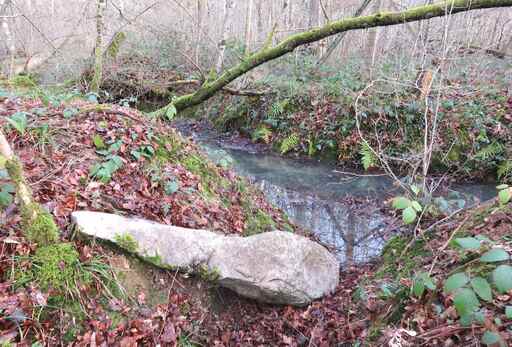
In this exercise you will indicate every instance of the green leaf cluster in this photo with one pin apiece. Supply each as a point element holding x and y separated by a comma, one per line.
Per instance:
<point>19,122</point>
<point>409,208</point>
<point>504,194</point>
<point>105,170</point>
<point>6,194</point>
<point>468,290</point>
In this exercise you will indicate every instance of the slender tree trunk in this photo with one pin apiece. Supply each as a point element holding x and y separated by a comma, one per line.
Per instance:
<point>222,44</point>
<point>314,20</point>
<point>200,16</point>
<point>340,37</point>
<point>9,38</point>
<point>259,12</point>
<point>248,27</point>
<point>288,45</point>
<point>371,45</point>
<point>98,50</point>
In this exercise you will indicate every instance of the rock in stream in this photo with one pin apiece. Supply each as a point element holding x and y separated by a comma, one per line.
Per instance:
<point>275,267</point>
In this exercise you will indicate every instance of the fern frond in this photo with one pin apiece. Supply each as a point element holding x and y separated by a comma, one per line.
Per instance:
<point>289,143</point>
<point>262,133</point>
<point>368,158</point>
<point>505,169</point>
<point>276,109</point>
<point>490,151</point>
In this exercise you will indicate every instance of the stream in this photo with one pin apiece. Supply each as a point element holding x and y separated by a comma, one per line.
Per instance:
<point>344,210</point>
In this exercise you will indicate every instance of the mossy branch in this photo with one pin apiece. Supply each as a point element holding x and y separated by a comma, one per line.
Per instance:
<point>38,224</point>
<point>355,23</point>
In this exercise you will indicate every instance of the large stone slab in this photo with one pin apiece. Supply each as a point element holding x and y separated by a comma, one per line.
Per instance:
<point>275,267</point>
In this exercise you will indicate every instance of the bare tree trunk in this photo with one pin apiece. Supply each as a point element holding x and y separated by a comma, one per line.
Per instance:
<point>269,52</point>
<point>222,44</point>
<point>314,19</point>
<point>98,50</point>
<point>9,39</point>
<point>200,16</point>
<point>259,11</point>
<point>248,27</point>
<point>371,46</point>
<point>340,37</point>
<point>38,224</point>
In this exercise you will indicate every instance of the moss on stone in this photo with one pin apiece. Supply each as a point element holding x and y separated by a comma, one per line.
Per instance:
<point>207,274</point>
<point>157,261</point>
<point>126,242</point>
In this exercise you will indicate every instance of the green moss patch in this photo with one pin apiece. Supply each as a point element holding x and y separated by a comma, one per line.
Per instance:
<point>41,229</point>
<point>397,263</point>
<point>127,242</point>
<point>57,267</point>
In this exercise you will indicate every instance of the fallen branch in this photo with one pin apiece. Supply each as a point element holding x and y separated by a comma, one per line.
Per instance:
<point>232,91</point>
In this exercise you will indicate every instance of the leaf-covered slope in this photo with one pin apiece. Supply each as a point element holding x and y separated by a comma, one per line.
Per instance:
<point>85,156</point>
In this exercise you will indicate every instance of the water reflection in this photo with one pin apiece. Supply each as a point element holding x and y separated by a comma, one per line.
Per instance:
<point>314,196</point>
<point>355,231</point>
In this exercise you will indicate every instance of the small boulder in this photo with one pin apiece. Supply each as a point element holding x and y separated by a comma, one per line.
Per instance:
<point>275,267</point>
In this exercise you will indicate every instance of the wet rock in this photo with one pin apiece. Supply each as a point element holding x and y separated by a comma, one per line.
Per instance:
<point>275,267</point>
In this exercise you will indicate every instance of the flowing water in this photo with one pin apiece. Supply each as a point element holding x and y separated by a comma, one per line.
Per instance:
<point>344,210</point>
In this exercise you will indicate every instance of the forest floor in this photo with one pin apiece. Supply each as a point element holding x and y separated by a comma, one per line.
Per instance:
<point>78,155</point>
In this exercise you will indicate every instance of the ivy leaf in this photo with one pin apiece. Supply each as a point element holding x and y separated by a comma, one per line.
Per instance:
<point>508,312</point>
<point>455,281</point>
<point>136,154</point>
<point>502,277</point>
<point>171,187</point>
<point>98,142</point>
<point>6,198</point>
<point>409,215</point>
<point>495,255</point>
<point>468,242</point>
<point>465,301</point>
<point>482,288</point>
<point>18,121</point>
<point>70,112</point>
<point>491,338</point>
<point>504,196</point>
<point>401,203</point>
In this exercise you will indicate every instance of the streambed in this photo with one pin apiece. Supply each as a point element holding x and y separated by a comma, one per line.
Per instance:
<point>343,209</point>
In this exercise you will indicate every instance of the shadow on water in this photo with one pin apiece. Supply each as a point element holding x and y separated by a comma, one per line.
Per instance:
<point>344,210</point>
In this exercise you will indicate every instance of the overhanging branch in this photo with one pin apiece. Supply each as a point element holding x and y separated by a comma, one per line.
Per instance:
<point>289,44</point>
